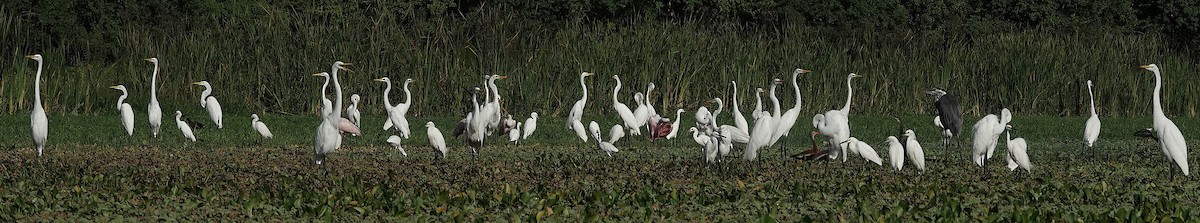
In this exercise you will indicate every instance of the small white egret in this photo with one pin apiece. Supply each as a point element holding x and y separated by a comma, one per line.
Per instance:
<point>435,139</point>
<point>675,125</point>
<point>914,151</point>
<point>352,112</point>
<point>701,139</point>
<point>260,127</point>
<point>395,142</point>
<point>530,126</point>
<point>183,127</point>
<point>515,134</point>
<point>1170,138</point>
<point>623,111</point>
<point>327,137</point>
<point>125,109</point>
<point>209,102</point>
<point>615,133</point>
<point>865,150</point>
<point>1091,130</point>
<point>895,153</point>
<point>1018,155</point>
<point>607,147</point>
<point>152,109</point>
<point>37,119</point>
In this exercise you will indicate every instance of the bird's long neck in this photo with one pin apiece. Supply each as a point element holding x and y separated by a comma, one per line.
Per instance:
<point>178,117</point>
<point>121,100</point>
<point>1093,100</point>
<point>758,102</point>
<point>584,86</point>
<point>677,116</point>
<point>387,103</point>
<point>849,95</point>
<point>475,103</point>
<point>720,105</point>
<point>735,97</point>
<point>646,100</point>
<point>154,84</point>
<point>774,100</point>
<point>407,94</point>
<point>37,87</point>
<point>204,95</point>
<point>796,87</point>
<point>1158,98</point>
<point>1007,137</point>
<point>337,87</point>
<point>616,91</point>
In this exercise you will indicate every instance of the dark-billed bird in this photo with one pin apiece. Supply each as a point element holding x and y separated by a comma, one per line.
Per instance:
<point>949,115</point>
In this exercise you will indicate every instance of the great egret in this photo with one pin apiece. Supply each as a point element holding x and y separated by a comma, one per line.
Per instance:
<point>477,126</point>
<point>326,104</point>
<point>895,153</point>
<point>626,115</point>
<point>126,110</point>
<point>515,134</point>
<point>675,125</point>
<point>530,125</point>
<point>37,119</point>
<point>152,110</point>
<point>849,93</point>
<point>987,133</point>
<point>435,139</point>
<point>209,102</point>
<point>1170,138</point>
<point>759,137</point>
<point>396,113</point>
<point>788,118</point>
<point>647,100</point>
<point>493,108</point>
<point>261,127</point>
<point>701,139</point>
<point>738,119</point>
<point>327,137</point>
<point>834,125</point>
<point>183,127</point>
<point>607,147</point>
<point>641,113</point>
<point>757,104</point>
<point>949,114</point>
<point>352,112</point>
<point>577,109</point>
<point>615,133</point>
<point>914,151</point>
<point>577,126</point>
<point>716,113</point>
<point>865,150</point>
<point>395,142</point>
<point>1091,131</point>
<point>1017,152</point>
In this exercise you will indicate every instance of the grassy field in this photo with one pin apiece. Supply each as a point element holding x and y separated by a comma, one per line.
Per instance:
<point>93,172</point>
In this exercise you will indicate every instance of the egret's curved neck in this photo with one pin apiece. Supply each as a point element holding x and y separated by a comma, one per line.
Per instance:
<point>646,99</point>
<point>495,91</point>
<point>178,117</point>
<point>735,97</point>
<point>154,85</point>
<point>758,102</point>
<point>121,100</point>
<point>337,87</point>
<point>796,87</point>
<point>720,105</point>
<point>849,95</point>
<point>475,103</point>
<point>1007,137</point>
<point>325,88</point>
<point>1093,100</point>
<point>407,94</point>
<point>387,102</point>
<point>37,87</point>
<point>677,116</point>
<point>616,91</point>
<point>774,100</point>
<point>1158,110</point>
<point>584,86</point>
<point>204,95</point>
<point>255,119</point>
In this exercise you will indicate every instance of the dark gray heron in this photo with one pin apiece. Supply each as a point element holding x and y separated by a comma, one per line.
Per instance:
<point>949,115</point>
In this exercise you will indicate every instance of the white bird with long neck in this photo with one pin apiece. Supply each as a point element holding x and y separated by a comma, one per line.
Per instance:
<point>987,134</point>
<point>352,112</point>
<point>832,124</point>
<point>1170,138</point>
<point>788,118</point>
<point>530,126</point>
<point>641,113</point>
<point>913,149</point>
<point>607,147</point>
<point>757,104</point>
<point>260,127</point>
<point>675,125</point>
<point>738,120</point>
<point>477,126</point>
<point>764,127</point>
<point>627,116</point>
<point>184,127</point>
<point>209,102</point>
<point>125,109</point>
<point>493,107</point>
<point>716,113</point>
<point>327,137</point>
<point>345,125</point>
<point>1018,155</point>
<point>436,140</point>
<point>152,109</point>
<point>577,108</point>
<point>396,113</point>
<point>849,93</point>
<point>37,119</point>
<point>1091,130</point>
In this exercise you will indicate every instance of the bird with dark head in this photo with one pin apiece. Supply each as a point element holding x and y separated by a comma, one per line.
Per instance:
<point>949,118</point>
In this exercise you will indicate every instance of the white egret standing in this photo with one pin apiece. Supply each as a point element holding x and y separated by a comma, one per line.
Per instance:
<point>126,110</point>
<point>1091,130</point>
<point>492,108</point>
<point>647,99</point>
<point>395,142</point>
<point>402,110</point>
<point>865,150</point>
<point>757,104</point>
<point>209,102</point>
<point>577,126</point>
<point>152,110</point>
<point>759,137</point>
<point>675,125</point>
<point>833,125</point>
<point>701,139</point>
<point>987,134</point>
<point>327,137</point>
<point>1018,155</point>
<point>626,115</point>
<point>1170,138</point>
<point>352,112</point>
<point>788,118</point>
<point>515,134</point>
<point>435,139</point>
<point>607,147</point>
<point>738,120</point>
<point>37,119</point>
<point>914,151</point>
<point>895,153</point>
<point>477,126</point>
<point>615,133</point>
<point>184,127</point>
<point>326,104</point>
<point>641,113</point>
<point>530,126</point>
<point>260,127</point>
<point>577,109</point>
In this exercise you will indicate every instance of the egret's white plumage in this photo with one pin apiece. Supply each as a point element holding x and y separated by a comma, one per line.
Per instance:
<point>402,111</point>
<point>577,109</point>
<point>895,153</point>
<point>834,125</point>
<point>788,118</point>
<point>987,134</point>
<point>615,133</point>
<point>436,140</point>
<point>914,151</point>
<point>703,117</point>
<point>577,126</point>
<point>209,102</point>
<point>757,104</point>
<point>865,150</point>
<point>1091,130</point>
<point>1018,155</point>
<point>642,112</point>
<point>530,126</point>
<point>153,111</point>
<point>37,118</point>
<point>623,111</point>
<point>759,136</point>
<point>326,104</point>
<point>607,147</point>
<point>184,127</point>
<point>260,127</point>
<point>492,107</point>
<point>738,120</point>
<point>701,139</point>
<point>675,125</point>
<point>125,109</point>
<point>352,112</point>
<point>327,137</point>
<point>395,142</point>
<point>1170,138</point>
<point>514,134</point>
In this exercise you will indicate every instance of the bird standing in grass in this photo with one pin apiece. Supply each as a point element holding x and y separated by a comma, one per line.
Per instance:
<point>530,126</point>
<point>260,127</point>
<point>37,119</point>
<point>209,102</point>
<point>153,111</point>
<point>1091,131</point>
<point>125,109</point>
<point>435,139</point>
<point>1170,138</point>
<point>183,127</point>
<point>328,138</point>
<point>1018,155</point>
<point>352,112</point>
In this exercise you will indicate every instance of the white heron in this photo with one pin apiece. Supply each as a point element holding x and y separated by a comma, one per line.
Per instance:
<point>865,150</point>
<point>327,137</point>
<point>703,117</point>
<point>125,109</point>
<point>647,99</point>
<point>717,113</point>
<point>344,125</point>
<point>492,107</point>
<point>757,104</point>
<point>607,147</point>
<point>435,139</point>
<point>1018,155</point>
<point>508,124</point>
<point>152,109</point>
<point>515,134</point>
<point>987,134</point>
<point>37,119</point>
<point>759,137</point>
<point>738,119</point>
<point>530,125</point>
<point>701,139</point>
<point>895,153</point>
<point>577,109</point>
<point>1170,138</point>
<point>641,113</point>
<point>615,133</point>
<point>184,127</point>
<point>834,125</point>
<point>260,127</point>
<point>627,115</point>
<point>352,112</point>
<point>1091,130</point>
<point>477,125</point>
<point>913,149</point>
<point>209,102</point>
<point>395,142</point>
<point>675,125</point>
<point>577,126</point>
<point>788,119</point>
<point>396,113</point>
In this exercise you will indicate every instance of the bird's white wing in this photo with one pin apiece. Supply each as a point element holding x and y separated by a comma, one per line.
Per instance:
<point>615,134</point>
<point>735,134</point>
<point>263,130</point>
<point>127,118</point>
<point>530,126</point>
<point>214,111</point>
<point>579,130</point>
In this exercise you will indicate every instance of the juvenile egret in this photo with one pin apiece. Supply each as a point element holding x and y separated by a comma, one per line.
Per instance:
<point>863,149</point>
<point>152,110</point>
<point>895,153</point>
<point>607,147</point>
<point>352,112</point>
<point>987,133</point>
<point>949,114</point>
<point>712,149</point>
<point>615,133</point>
<point>37,119</point>
<point>675,125</point>
<point>435,139</point>
<point>261,127</point>
<point>327,137</point>
<point>209,102</point>
<point>1170,138</point>
<point>183,127</point>
<point>914,151</point>
<point>701,139</point>
<point>126,110</point>
<point>514,134</point>
<point>1091,131</point>
<point>788,118</point>
<point>1018,155</point>
<point>738,119</point>
<point>395,142</point>
<point>577,109</point>
<point>626,115</point>
<point>530,125</point>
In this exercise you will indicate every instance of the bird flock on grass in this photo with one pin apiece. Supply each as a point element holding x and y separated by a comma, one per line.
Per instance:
<point>763,132</point>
